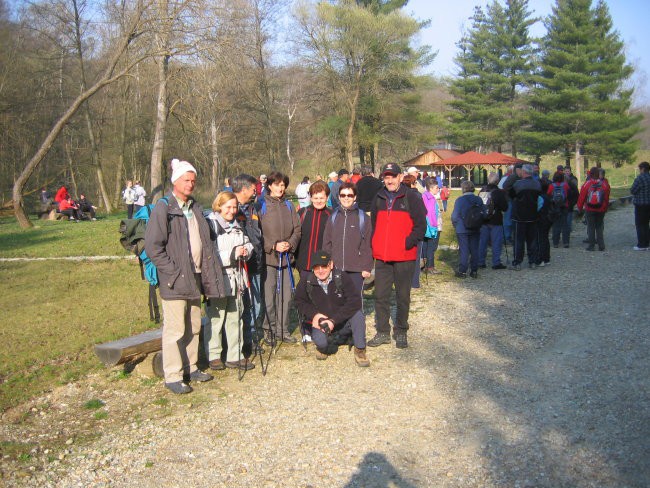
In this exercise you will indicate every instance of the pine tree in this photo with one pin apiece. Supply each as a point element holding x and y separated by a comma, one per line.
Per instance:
<point>495,68</point>
<point>580,102</point>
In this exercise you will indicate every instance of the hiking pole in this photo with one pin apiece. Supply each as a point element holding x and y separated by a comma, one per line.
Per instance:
<point>505,244</point>
<point>299,317</point>
<point>241,286</point>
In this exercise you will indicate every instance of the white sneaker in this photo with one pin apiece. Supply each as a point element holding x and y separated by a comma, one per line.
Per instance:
<point>637,248</point>
<point>306,338</point>
<point>541,265</point>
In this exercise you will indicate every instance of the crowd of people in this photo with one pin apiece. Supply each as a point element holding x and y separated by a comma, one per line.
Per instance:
<point>346,231</point>
<point>62,203</point>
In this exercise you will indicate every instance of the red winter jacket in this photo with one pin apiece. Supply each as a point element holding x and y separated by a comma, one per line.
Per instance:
<point>397,228</point>
<point>584,192</point>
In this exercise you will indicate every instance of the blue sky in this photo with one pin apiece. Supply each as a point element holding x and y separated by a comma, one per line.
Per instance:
<point>448,18</point>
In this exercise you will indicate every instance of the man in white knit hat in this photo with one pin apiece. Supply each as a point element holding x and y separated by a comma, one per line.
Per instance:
<point>177,241</point>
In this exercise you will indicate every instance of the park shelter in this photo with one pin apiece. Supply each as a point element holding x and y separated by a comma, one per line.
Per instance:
<point>425,161</point>
<point>474,166</point>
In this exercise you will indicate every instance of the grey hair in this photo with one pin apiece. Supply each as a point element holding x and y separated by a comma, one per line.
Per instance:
<point>528,169</point>
<point>467,186</point>
<point>493,178</point>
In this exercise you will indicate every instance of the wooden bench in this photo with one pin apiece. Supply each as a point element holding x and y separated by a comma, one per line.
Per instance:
<point>133,349</point>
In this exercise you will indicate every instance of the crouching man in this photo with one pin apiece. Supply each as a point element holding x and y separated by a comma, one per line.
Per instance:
<point>332,302</point>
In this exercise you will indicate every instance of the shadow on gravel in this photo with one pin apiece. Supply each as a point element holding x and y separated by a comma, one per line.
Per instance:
<point>552,367</point>
<point>377,472</point>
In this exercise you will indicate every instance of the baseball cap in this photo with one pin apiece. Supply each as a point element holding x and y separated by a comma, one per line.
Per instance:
<point>412,169</point>
<point>320,258</point>
<point>391,168</point>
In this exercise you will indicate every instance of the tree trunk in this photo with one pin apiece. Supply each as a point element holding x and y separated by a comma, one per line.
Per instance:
<point>290,114</point>
<point>578,162</point>
<point>162,39</point>
<point>214,149</point>
<point>68,155</point>
<point>157,187</point>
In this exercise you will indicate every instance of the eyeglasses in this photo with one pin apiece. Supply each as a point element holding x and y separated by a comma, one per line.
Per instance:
<point>346,195</point>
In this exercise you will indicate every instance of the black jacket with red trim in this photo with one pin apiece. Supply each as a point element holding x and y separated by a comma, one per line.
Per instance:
<point>398,224</point>
<point>313,228</point>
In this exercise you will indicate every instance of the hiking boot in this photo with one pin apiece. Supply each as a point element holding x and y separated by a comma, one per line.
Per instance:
<point>269,339</point>
<point>178,387</point>
<point>216,365</point>
<point>473,274</point>
<point>320,356</point>
<point>243,364</point>
<point>637,248</point>
<point>360,357</point>
<point>542,264</point>
<point>432,271</point>
<point>458,274</point>
<point>289,339</point>
<point>379,339</point>
<point>200,377</point>
<point>515,267</point>
<point>499,266</point>
<point>400,340</point>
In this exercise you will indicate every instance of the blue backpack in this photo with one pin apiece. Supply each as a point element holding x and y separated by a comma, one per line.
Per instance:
<point>362,219</point>
<point>132,231</point>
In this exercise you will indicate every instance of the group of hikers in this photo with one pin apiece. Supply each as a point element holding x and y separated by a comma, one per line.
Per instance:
<point>63,203</point>
<point>241,256</point>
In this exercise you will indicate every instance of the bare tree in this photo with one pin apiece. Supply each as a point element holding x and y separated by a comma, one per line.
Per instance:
<point>110,74</point>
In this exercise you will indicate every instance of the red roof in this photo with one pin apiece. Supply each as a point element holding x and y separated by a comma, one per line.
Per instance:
<point>505,159</point>
<point>468,158</point>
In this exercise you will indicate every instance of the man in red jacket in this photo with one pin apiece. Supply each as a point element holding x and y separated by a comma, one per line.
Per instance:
<point>594,200</point>
<point>399,223</point>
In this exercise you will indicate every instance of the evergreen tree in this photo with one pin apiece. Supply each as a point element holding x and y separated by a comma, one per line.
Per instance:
<point>495,69</point>
<point>580,102</point>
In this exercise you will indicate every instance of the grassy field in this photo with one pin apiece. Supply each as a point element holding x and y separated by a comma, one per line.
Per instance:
<point>57,310</point>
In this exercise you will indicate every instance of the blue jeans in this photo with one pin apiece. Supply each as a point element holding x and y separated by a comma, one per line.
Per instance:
<point>493,235</point>
<point>468,251</point>
<point>429,247</point>
<point>507,223</point>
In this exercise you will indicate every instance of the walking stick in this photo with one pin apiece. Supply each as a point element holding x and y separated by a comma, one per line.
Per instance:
<point>505,244</point>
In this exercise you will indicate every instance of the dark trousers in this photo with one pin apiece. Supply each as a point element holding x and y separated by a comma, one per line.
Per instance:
<point>492,235</point>
<point>129,210</point>
<point>642,222</point>
<point>277,298</point>
<point>415,282</point>
<point>72,213</point>
<point>543,244</point>
<point>525,238</point>
<point>89,209</point>
<point>356,327</point>
<point>468,251</point>
<point>429,247</point>
<point>595,227</point>
<point>562,227</point>
<point>387,274</point>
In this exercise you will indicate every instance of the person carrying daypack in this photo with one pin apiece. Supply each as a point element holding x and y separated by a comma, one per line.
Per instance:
<point>467,217</point>
<point>492,232</point>
<point>347,237</point>
<point>177,240</point>
<point>594,200</point>
<point>524,194</point>
<point>559,191</point>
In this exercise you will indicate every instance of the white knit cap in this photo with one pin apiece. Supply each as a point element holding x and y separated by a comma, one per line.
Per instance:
<point>179,168</point>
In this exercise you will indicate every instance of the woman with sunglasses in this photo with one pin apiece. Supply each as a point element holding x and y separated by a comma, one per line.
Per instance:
<point>348,235</point>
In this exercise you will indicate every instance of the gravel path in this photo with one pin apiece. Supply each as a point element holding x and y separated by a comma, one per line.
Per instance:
<point>537,378</point>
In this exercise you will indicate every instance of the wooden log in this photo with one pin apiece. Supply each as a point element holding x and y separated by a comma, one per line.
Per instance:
<point>123,350</point>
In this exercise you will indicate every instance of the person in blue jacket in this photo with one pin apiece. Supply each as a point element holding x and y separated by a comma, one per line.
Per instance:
<point>468,239</point>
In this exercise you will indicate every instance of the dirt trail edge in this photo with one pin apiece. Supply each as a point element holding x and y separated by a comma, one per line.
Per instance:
<point>537,378</point>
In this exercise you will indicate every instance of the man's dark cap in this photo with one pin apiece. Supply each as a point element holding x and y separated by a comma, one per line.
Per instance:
<point>320,258</point>
<point>391,168</point>
<point>343,171</point>
<point>519,165</point>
